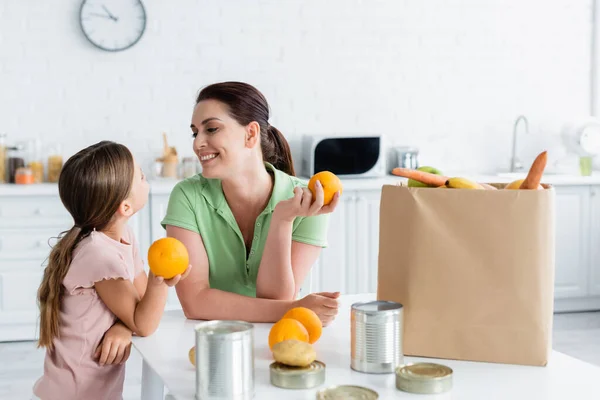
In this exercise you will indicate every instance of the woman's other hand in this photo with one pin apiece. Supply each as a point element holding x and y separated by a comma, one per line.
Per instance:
<point>302,204</point>
<point>324,304</point>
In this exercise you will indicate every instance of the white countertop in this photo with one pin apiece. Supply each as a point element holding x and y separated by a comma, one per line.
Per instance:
<point>164,186</point>
<point>166,353</point>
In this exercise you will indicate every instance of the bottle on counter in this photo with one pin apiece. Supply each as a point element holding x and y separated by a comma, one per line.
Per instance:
<point>24,176</point>
<point>35,160</point>
<point>55,162</point>
<point>3,160</point>
<point>16,160</point>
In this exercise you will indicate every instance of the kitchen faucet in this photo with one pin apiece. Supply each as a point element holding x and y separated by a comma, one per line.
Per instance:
<point>515,163</point>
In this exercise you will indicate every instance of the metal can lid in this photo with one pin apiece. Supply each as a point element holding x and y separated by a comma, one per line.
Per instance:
<point>222,328</point>
<point>288,377</point>
<point>377,306</point>
<point>424,378</point>
<point>347,392</point>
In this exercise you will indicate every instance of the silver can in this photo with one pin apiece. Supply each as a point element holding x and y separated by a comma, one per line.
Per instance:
<point>376,336</point>
<point>224,360</point>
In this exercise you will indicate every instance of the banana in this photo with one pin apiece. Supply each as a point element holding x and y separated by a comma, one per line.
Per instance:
<point>463,183</point>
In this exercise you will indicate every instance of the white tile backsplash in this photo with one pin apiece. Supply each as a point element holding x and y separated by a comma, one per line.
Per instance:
<point>449,76</point>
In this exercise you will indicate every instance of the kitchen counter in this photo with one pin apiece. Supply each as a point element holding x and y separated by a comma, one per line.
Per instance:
<point>164,186</point>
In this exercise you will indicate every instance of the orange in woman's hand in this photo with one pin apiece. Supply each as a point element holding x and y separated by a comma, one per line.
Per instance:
<point>330,182</point>
<point>168,257</point>
<point>309,319</point>
<point>287,328</point>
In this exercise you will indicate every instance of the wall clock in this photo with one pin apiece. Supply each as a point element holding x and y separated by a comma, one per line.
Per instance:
<point>113,25</point>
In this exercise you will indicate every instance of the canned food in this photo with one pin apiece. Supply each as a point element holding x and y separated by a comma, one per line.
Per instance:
<point>376,336</point>
<point>224,360</point>
<point>287,377</point>
<point>424,378</point>
<point>347,392</point>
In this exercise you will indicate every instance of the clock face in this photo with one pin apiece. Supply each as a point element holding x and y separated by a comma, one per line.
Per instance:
<point>113,25</point>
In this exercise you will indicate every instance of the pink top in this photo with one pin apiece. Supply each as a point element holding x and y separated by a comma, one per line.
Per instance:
<point>70,371</point>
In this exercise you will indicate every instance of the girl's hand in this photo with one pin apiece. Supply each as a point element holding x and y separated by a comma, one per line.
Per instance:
<point>115,346</point>
<point>302,204</point>
<point>170,282</point>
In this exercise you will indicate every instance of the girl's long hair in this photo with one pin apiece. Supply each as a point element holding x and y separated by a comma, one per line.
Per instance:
<point>92,185</point>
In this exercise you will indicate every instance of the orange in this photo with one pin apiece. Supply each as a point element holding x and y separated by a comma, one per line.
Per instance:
<point>330,182</point>
<point>287,328</point>
<point>168,257</point>
<point>309,319</point>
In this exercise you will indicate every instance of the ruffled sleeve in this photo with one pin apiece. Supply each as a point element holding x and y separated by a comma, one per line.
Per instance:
<point>93,263</point>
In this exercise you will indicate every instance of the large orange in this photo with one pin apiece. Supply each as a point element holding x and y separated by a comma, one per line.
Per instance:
<point>168,257</point>
<point>309,319</point>
<point>330,182</point>
<point>287,328</point>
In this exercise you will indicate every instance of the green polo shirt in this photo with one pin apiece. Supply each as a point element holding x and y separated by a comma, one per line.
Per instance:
<point>198,204</point>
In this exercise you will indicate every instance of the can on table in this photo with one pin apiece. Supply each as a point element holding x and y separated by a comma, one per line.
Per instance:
<point>224,360</point>
<point>287,377</point>
<point>424,378</point>
<point>376,336</point>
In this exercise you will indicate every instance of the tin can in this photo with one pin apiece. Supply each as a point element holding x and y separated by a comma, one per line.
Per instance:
<point>287,377</point>
<point>424,378</point>
<point>347,392</point>
<point>376,336</point>
<point>224,360</point>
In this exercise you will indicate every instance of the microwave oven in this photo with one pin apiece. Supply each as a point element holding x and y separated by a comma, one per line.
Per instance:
<point>352,156</point>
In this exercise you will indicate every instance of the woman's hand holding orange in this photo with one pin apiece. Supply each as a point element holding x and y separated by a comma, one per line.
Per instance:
<point>304,204</point>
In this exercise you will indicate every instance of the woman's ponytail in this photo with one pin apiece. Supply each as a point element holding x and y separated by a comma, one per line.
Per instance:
<point>281,156</point>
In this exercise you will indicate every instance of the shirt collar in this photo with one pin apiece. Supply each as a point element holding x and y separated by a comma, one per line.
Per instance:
<point>283,188</point>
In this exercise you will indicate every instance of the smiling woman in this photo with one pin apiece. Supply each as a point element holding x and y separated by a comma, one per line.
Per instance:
<point>252,229</point>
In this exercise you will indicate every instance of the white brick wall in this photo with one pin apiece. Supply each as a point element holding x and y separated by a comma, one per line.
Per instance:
<point>449,76</point>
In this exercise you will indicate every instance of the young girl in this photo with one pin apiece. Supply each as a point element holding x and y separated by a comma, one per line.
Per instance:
<point>95,293</point>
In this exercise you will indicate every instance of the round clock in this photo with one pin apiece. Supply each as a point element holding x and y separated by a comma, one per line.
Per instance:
<point>113,25</point>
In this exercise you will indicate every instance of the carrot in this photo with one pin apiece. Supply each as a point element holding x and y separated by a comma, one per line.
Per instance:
<point>534,176</point>
<point>421,176</point>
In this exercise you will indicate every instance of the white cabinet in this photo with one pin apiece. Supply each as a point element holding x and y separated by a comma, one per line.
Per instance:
<point>27,225</point>
<point>577,274</point>
<point>349,263</point>
<point>594,281</point>
<point>572,241</point>
<point>158,210</point>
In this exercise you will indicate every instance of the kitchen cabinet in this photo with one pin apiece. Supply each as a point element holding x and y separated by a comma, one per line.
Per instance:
<point>349,263</point>
<point>29,217</point>
<point>594,271</point>
<point>572,241</point>
<point>158,208</point>
<point>577,273</point>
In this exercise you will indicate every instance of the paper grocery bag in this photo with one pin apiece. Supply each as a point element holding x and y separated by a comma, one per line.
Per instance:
<point>474,270</point>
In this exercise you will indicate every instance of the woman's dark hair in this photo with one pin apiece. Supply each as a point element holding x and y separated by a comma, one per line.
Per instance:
<point>247,104</point>
<point>92,184</point>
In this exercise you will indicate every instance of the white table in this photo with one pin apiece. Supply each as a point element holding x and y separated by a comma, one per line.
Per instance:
<point>165,356</point>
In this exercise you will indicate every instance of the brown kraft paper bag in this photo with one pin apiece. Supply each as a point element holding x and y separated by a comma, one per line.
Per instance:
<point>474,270</point>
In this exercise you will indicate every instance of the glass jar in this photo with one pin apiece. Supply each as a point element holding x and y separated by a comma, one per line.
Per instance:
<point>55,162</point>
<point>3,160</point>
<point>189,167</point>
<point>24,176</point>
<point>16,160</point>
<point>35,160</point>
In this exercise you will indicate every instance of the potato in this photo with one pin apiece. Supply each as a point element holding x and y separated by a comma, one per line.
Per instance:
<point>294,353</point>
